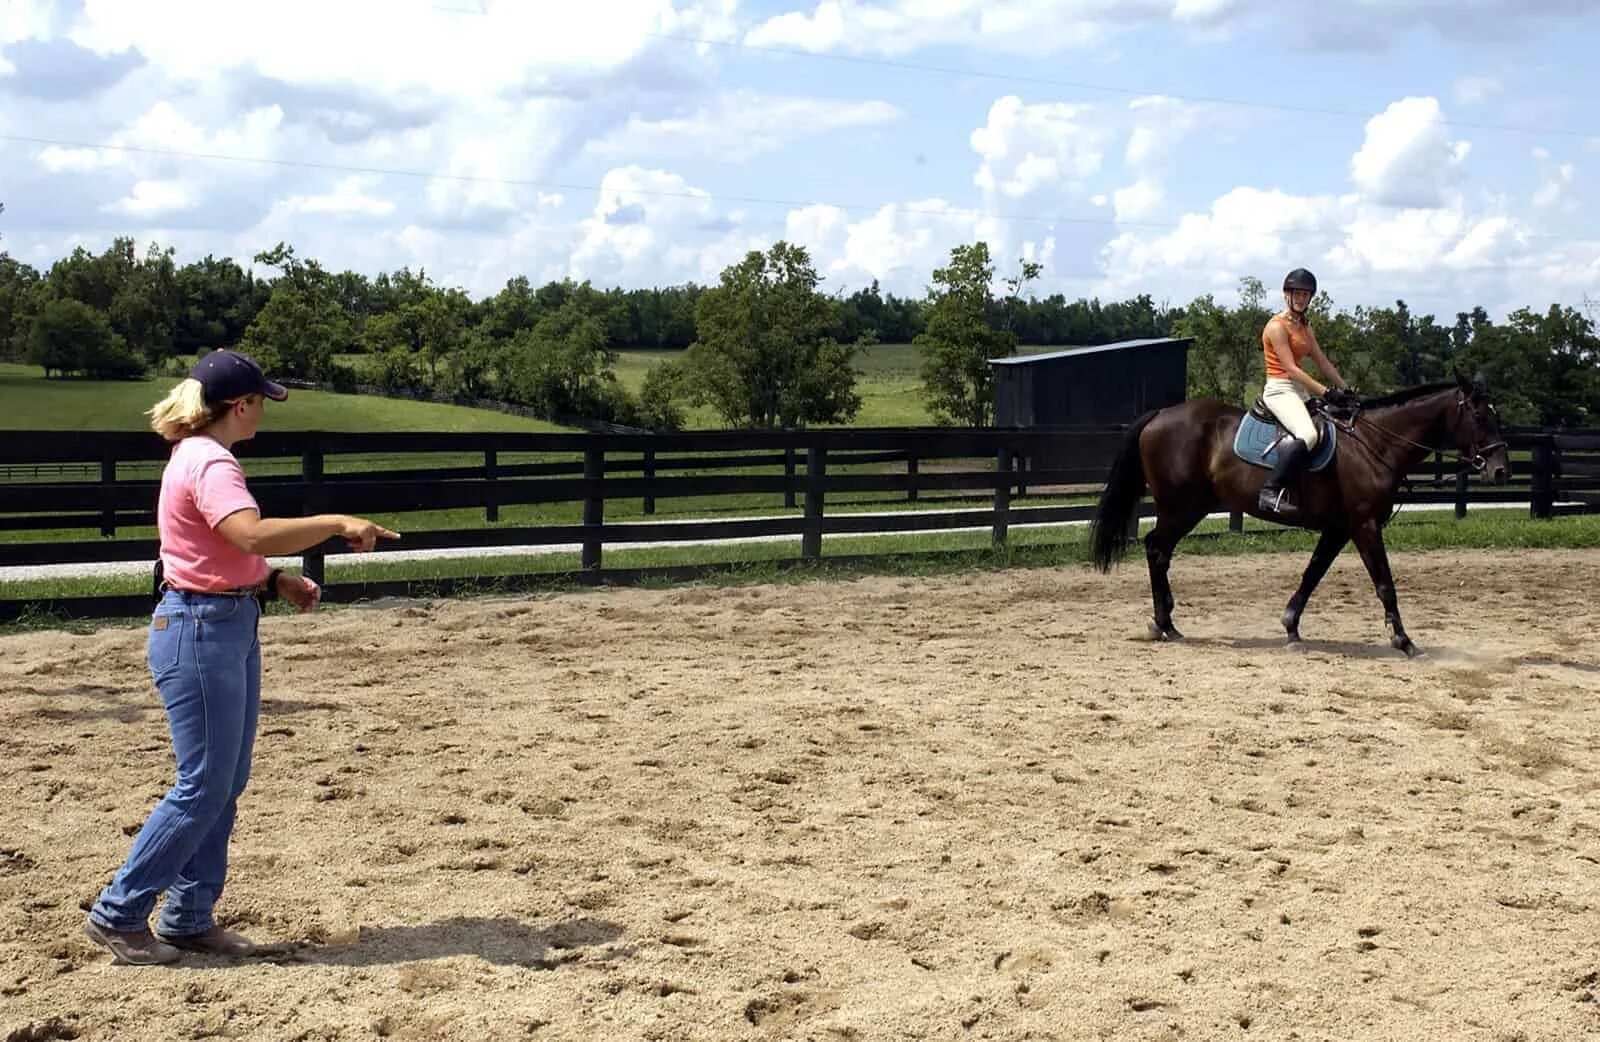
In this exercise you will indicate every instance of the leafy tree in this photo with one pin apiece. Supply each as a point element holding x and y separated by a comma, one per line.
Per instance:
<point>563,364</point>
<point>68,337</point>
<point>217,301</point>
<point>302,326</point>
<point>470,370</point>
<point>423,321</point>
<point>966,328</point>
<point>663,396</point>
<point>1543,368</point>
<point>763,357</point>
<point>19,285</point>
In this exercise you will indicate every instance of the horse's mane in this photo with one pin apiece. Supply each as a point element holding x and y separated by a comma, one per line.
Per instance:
<point>1408,394</point>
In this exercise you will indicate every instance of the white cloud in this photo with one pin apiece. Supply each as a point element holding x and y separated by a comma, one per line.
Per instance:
<point>28,20</point>
<point>820,228</point>
<point>1475,90</point>
<point>1407,158</point>
<point>898,245</point>
<point>162,128</point>
<point>652,226</point>
<point>1037,27</point>
<point>1159,125</point>
<point>152,198</point>
<point>1137,201</point>
<point>901,26</point>
<point>394,46</point>
<point>350,197</point>
<point>1420,241</point>
<point>1203,11</point>
<point>1558,188</point>
<point>740,125</point>
<point>1026,148</point>
<point>1243,230</point>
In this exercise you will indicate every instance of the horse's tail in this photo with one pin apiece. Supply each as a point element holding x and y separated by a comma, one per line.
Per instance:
<point>1120,499</point>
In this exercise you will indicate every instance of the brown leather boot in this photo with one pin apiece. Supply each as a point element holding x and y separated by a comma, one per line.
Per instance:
<point>132,948</point>
<point>215,941</point>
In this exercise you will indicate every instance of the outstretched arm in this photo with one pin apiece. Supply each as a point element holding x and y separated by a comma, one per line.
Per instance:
<point>254,534</point>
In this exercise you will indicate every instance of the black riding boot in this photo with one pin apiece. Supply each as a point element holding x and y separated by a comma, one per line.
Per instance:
<point>1293,455</point>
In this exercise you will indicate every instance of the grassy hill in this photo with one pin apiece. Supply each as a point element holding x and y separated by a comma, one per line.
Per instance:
<point>30,402</point>
<point>889,385</point>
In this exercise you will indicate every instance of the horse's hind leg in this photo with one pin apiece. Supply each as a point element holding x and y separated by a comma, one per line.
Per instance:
<point>1322,558</point>
<point>1158,546</point>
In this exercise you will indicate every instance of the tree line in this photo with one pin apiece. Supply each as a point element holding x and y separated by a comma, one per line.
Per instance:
<point>763,347</point>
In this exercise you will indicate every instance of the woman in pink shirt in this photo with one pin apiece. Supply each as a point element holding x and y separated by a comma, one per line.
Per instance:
<point>206,659</point>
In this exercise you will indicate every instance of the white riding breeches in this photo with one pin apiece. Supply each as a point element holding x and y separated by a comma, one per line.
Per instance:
<point>1287,400</point>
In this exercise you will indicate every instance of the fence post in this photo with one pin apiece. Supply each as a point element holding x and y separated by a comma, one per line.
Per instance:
<point>1002,495</point>
<point>1024,463</point>
<point>1438,469</point>
<point>650,481</point>
<point>108,476</point>
<point>1540,480</point>
<point>594,506</point>
<point>816,471</point>
<point>911,479</point>
<point>1236,521</point>
<point>788,472</point>
<point>312,562</point>
<point>1461,493</point>
<point>491,506</point>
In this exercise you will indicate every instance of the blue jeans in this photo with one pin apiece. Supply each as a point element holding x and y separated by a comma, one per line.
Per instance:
<point>206,661</point>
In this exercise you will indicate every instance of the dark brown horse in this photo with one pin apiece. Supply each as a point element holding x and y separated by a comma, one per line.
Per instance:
<point>1184,454</point>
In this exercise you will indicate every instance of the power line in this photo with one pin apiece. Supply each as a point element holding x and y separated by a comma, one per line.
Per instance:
<point>702,196</point>
<point>1048,81</point>
<point>1104,88</point>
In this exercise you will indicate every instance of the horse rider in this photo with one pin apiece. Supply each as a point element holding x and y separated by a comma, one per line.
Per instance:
<point>1287,340</point>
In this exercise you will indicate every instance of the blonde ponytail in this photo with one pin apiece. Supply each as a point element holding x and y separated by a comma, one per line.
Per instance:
<point>182,412</point>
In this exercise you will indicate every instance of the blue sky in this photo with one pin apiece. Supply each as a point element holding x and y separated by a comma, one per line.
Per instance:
<point>1437,152</point>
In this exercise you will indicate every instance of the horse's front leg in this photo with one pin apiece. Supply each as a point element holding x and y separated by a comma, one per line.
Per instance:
<point>1322,558</point>
<point>1369,540</point>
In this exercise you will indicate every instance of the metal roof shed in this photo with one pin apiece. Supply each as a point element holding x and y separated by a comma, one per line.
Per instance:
<point>1090,386</point>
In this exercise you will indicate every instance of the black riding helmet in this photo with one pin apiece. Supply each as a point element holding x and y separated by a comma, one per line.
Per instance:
<point>1300,278</point>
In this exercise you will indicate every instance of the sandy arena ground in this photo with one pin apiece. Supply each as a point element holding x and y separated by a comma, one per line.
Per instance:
<point>970,807</point>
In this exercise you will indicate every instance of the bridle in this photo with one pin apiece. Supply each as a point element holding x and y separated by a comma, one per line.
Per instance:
<point>1478,461</point>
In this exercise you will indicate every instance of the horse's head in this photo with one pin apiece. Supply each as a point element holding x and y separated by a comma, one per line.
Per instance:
<point>1475,426</point>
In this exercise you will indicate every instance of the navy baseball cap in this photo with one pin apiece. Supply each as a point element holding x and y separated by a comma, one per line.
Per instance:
<point>226,375</point>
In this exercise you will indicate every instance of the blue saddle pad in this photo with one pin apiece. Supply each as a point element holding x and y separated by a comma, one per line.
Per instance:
<point>1256,443</point>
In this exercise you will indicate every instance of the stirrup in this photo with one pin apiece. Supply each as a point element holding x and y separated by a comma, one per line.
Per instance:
<point>1276,502</point>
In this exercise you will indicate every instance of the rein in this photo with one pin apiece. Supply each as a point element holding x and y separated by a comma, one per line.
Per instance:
<point>1476,461</point>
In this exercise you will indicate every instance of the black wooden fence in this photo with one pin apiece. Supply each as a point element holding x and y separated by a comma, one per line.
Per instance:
<point>108,480</point>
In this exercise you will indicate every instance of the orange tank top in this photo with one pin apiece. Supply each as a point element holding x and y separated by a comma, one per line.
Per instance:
<point>1299,345</point>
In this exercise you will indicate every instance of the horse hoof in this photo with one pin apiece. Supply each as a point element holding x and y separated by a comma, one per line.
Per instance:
<point>1164,633</point>
<point>1410,649</point>
<point>1294,640</point>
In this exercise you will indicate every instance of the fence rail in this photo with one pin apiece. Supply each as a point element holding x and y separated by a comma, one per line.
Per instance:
<point>1555,472</point>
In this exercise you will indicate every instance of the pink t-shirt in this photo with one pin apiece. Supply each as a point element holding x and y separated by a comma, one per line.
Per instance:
<point>201,485</point>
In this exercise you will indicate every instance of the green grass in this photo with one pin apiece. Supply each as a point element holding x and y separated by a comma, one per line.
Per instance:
<point>28,401</point>
<point>928,553</point>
